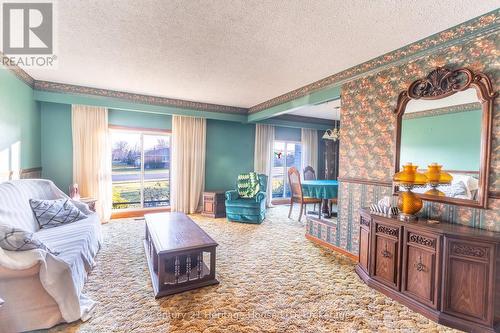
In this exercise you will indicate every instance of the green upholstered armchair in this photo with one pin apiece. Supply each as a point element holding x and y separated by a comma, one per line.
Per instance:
<point>247,210</point>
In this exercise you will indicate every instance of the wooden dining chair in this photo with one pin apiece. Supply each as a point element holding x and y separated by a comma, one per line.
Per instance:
<point>309,173</point>
<point>297,195</point>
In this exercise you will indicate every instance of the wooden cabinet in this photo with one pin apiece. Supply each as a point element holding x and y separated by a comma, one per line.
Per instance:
<point>448,273</point>
<point>364,240</point>
<point>214,204</point>
<point>420,266</point>
<point>385,254</point>
<point>467,291</point>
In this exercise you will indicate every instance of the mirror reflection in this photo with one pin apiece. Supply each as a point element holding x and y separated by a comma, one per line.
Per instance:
<point>445,132</point>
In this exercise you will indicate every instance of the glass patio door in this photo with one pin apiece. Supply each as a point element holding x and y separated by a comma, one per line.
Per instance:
<point>286,154</point>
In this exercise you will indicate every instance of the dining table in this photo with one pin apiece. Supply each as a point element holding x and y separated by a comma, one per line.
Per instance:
<point>321,189</point>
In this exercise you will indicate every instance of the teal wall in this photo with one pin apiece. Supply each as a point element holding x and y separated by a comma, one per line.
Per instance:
<point>229,152</point>
<point>139,119</point>
<point>19,119</point>
<point>453,140</point>
<point>57,144</point>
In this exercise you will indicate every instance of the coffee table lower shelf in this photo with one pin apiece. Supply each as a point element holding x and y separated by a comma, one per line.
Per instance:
<point>183,283</point>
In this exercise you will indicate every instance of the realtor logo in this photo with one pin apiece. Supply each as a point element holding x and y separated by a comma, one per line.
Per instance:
<point>27,28</point>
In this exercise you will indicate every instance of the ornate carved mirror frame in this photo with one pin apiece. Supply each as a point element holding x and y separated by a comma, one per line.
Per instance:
<point>442,83</point>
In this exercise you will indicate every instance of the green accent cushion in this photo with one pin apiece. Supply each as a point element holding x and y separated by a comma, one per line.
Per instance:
<point>248,185</point>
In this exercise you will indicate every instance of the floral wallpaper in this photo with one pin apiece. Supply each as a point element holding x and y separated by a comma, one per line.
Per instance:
<point>367,140</point>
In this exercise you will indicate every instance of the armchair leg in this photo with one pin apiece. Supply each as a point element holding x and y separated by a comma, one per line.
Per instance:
<point>290,211</point>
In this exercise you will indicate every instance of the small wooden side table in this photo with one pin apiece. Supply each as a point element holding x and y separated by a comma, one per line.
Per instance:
<point>214,204</point>
<point>90,202</point>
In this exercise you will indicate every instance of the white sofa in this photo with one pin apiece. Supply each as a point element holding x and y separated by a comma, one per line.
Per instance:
<point>40,289</point>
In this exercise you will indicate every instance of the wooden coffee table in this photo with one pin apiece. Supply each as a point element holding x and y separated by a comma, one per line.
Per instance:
<point>180,255</point>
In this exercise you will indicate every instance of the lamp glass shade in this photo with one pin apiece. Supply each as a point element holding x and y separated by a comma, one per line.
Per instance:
<point>436,176</point>
<point>410,176</point>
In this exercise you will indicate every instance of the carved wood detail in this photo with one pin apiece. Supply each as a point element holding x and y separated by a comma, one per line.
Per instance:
<point>387,230</point>
<point>364,221</point>
<point>470,251</point>
<point>419,239</point>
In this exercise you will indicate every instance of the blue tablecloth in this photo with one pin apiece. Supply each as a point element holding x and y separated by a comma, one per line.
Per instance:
<point>321,189</point>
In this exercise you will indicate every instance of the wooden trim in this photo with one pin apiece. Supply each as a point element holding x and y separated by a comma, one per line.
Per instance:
<point>117,214</point>
<point>321,242</point>
<point>30,173</point>
<point>365,181</point>
<point>431,88</point>
<point>31,170</point>
<point>140,129</point>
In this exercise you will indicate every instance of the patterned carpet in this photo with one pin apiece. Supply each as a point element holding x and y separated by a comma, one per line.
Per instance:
<point>272,279</point>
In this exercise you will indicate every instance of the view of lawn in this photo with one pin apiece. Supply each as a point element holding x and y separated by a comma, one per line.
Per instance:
<point>128,194</point>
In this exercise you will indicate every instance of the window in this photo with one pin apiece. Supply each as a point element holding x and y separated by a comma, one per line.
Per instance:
<point>141,169</point>
<point>286,154</point>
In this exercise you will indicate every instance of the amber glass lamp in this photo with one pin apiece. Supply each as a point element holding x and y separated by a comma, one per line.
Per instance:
<point>409,203</point>
<point>437,177</point>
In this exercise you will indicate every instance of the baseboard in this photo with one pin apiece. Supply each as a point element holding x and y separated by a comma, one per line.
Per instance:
<point>321,242</point>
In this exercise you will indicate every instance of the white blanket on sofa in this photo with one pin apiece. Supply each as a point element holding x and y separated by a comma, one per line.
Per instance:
<point>62,276</point>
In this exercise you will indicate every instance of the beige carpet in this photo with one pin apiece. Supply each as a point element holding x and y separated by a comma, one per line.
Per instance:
<point>272,279</point>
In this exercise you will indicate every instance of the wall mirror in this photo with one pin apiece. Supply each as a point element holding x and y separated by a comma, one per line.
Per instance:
<point>445,118</point>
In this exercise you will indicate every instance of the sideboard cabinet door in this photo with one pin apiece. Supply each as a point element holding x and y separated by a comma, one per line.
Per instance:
<point>386,254</point>
<point>420,279</point>
<point>364,243</point>
<point>468,285</point>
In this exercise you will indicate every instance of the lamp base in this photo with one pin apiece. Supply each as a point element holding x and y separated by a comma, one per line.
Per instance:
<point>407,217</point>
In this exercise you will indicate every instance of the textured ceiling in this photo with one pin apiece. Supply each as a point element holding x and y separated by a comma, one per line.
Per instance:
<point>234,52</point>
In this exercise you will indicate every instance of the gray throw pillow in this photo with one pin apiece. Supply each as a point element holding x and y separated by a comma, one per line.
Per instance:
<point>53,213</point>
<point>15,239</point>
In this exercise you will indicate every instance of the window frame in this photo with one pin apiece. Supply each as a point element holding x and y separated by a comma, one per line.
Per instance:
<point>142,131</point>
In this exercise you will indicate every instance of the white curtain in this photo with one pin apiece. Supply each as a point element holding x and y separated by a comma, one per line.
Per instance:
<point>264,138</point>
<point>92,156</point>
<point>188,163</point>
<point>309,149</point>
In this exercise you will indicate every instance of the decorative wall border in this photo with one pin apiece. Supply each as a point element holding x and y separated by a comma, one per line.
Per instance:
<point>18,71</point>
<point>476,106</point>
<point>480,26</point>
<point>136,98</point>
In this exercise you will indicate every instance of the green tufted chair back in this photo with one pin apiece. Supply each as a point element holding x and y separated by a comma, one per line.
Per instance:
<point>263,182</point>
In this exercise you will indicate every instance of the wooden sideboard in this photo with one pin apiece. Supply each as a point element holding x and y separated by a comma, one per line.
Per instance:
<point>448,273</point>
